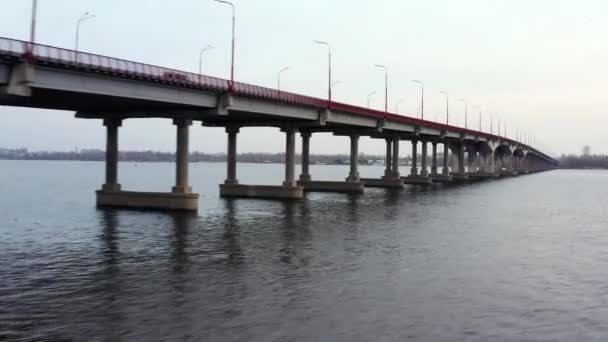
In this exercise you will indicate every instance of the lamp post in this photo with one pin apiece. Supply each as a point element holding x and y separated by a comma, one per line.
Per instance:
<point>231,85</point>
<point>200,58</point>
<point>329,69</point>
<point>385,87</point>
<point>83,17</point>
<point>279,78</point>
<point>478,107</point>
<point>421,98</point>
<point>397,105</point>
<point>466,113</point>
<point>447,107</point>
<point>369,96</point>
<point>30,51</point>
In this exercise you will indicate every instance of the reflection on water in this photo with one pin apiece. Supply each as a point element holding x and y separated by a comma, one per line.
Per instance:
<point>503,260</point>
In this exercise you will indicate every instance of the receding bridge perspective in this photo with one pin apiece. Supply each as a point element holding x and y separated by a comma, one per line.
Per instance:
<point>112,90</point>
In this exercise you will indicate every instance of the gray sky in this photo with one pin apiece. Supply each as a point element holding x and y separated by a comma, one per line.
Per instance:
<point>539,64</point>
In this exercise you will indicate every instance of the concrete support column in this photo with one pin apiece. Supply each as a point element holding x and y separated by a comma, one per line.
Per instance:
<point>434,159</point>
<point>396,174</point>
<point>305,176</point>
<point>353,176</point>
<point>461,169</point>
<point>414,170</point>
<point>231,155</point>
<point>471,161</point>
<point>181,157</point>
<point>424,172</point>
<point>290,157</point>
<point>111,183</point>
<point>388,158</point>
<point>446,151</point>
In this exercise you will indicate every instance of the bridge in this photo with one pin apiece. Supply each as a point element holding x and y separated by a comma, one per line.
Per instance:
<point>114,90</point>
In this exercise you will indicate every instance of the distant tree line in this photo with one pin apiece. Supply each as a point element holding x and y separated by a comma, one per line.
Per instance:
<point>583,162</point>
<point>155,156</point>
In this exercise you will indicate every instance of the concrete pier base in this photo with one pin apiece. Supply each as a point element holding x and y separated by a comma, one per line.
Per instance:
<point>148,200</point>
<point>416,180</point>
<point>506,173</point>
<point>441,178</point>
<point>329,186</point>
<point>261,191</point>
<point>483,175</point>
<point>460,177</point>
<point>393,183</point>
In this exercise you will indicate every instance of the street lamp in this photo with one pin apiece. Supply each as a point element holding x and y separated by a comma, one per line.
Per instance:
<point>466,112</point>
<point>83,17</point>
<point>447,107</point>
<point>200,58</point>
<point>231,86</point>
<point>329,77</point>
<point>397,105</point>
<point>30,52</point>
<point>385,87</point>
<point>369,96</point>
<point>279,78</point>
<point>479,107</point>
<point>421,98</point>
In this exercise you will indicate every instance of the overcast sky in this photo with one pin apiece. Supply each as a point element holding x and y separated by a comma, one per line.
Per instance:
<point>539,64</point>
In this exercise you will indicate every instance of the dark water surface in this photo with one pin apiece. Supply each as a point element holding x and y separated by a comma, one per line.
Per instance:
<point>520,259</point>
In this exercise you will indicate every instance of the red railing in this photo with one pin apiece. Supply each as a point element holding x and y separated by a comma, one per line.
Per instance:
<point>70,59</point>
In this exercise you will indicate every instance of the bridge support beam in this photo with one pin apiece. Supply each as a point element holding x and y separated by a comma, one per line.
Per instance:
<point>424,172</point>
<point>181,196</point>
<point>305,175</point>
<point>415,178</point>
<point>446,155</point>
<point>112,126</point>
<point>352,183</point>
<point>460,175</point>
<point>444,177</point>
<point>388,163</point>
<point>289,189</point>
<point>434,159</point>
<point>391,178</point>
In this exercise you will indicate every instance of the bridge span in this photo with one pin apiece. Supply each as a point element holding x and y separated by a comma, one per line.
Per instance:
<point>113,90</point>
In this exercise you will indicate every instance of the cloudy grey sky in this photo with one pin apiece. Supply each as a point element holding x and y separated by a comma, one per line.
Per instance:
<point>539,64</point>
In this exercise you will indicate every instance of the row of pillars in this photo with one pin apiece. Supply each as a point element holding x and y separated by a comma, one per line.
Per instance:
<point>476,161</point>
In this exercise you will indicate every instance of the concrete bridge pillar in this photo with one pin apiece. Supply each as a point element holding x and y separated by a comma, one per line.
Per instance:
<point>434,158</point>
<point>289,189</point>
<point>111,183</point>
<point>446,151</point>
<point>424,172</point>
<point>461,168</point>
<point>388,159</point>
<point>231,177</point>
<point>181,161</point>
<point>353,176</point>
<point>471,160</point>
<point>414,169</point>
<point>290,157</point>
<point>305,176</point>
<point>396,174</point>
<point>181,196</point>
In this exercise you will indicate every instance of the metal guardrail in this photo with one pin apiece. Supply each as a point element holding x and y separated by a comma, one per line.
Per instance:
<point>70,59</point>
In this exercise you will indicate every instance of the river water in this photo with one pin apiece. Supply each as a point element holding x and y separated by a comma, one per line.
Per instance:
<point>519,259</point>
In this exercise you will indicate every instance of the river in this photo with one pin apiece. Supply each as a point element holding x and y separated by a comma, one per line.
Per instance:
<point>516,259</point>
